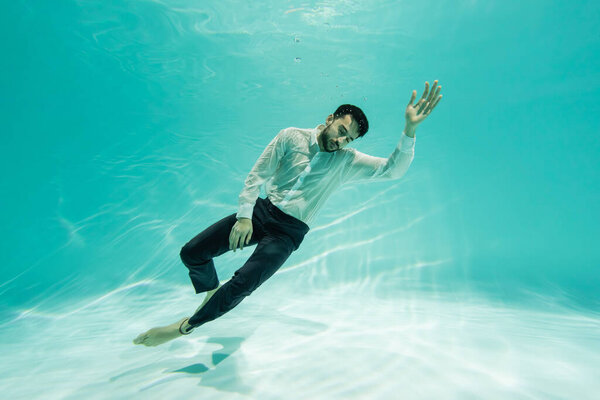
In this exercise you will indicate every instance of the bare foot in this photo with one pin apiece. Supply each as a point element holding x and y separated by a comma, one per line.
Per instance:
<point>159,335</point>
<point>162,334</point>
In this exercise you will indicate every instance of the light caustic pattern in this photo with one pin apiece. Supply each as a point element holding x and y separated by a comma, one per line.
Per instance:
<point>342,343</point>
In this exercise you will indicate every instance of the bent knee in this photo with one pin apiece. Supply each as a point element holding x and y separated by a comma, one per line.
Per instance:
<point>187,255</point>
<point>184,253</point>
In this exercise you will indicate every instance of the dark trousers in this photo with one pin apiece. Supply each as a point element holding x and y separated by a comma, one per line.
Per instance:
<point>277,234</point>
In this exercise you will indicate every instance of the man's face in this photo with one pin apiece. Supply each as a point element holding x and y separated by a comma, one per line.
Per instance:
<point>337,134</point>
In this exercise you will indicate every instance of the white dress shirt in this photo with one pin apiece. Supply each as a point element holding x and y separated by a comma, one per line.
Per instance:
<point>299,177</point>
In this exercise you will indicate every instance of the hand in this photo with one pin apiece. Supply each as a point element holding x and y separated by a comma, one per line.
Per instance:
<point>241,230</point>
<point>417,113</point>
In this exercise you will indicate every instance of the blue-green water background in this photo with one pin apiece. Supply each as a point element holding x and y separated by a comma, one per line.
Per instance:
<point>130,126</point>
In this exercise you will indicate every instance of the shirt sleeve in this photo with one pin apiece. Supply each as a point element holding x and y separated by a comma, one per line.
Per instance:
<point>363,166</point>
<point>263,169</point>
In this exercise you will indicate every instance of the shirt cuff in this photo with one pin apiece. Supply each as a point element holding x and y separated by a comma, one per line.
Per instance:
<point>245,211</point>
<point>406,144</point>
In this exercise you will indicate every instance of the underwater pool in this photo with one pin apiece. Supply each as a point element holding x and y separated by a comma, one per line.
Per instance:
<point>130,127</point>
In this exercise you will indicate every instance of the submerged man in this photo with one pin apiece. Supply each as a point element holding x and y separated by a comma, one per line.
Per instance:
<point>301,168</point>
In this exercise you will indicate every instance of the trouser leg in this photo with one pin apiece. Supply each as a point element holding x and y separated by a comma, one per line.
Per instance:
<point>197,255</point>
<point>270,253</point>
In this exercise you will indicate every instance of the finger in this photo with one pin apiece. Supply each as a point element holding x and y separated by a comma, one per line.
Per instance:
<point>431,106</point>
<point>412,98</point>
<point>236,242</point>
<point>437,92</point>
<point>425,91</point>
<point>245,240</point>
<point>422,105</point>
<point>427,109</point>
<point>233,240</point>
<point>242,241</point>
<point>249,237</point>
<point>432,94</point>
<point>435,103</point>
<point>430,103</point>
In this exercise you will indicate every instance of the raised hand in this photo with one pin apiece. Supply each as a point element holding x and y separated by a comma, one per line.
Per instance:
<point>415,114</point>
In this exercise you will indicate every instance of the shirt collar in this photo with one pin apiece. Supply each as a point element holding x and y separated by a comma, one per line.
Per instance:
<point>314,133</point>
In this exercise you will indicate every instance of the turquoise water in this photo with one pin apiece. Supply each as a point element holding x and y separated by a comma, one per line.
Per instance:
<point>129,127</point>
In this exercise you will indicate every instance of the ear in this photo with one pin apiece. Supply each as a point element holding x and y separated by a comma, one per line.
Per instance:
<point>329,119</point>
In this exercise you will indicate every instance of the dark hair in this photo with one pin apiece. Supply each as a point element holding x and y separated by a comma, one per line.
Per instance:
<point>357,115</point>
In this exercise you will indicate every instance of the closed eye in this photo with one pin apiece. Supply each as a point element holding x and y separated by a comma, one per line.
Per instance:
<point>345,133</point>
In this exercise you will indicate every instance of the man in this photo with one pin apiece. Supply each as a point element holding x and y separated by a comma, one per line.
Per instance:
<point>301,168</point>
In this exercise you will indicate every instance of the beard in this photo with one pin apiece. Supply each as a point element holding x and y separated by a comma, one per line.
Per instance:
<point>328,145</point>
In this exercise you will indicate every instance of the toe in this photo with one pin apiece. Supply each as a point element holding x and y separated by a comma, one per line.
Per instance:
<point>140,339</point>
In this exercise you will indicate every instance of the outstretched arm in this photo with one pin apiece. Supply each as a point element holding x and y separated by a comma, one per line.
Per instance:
<point>363,166</point>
